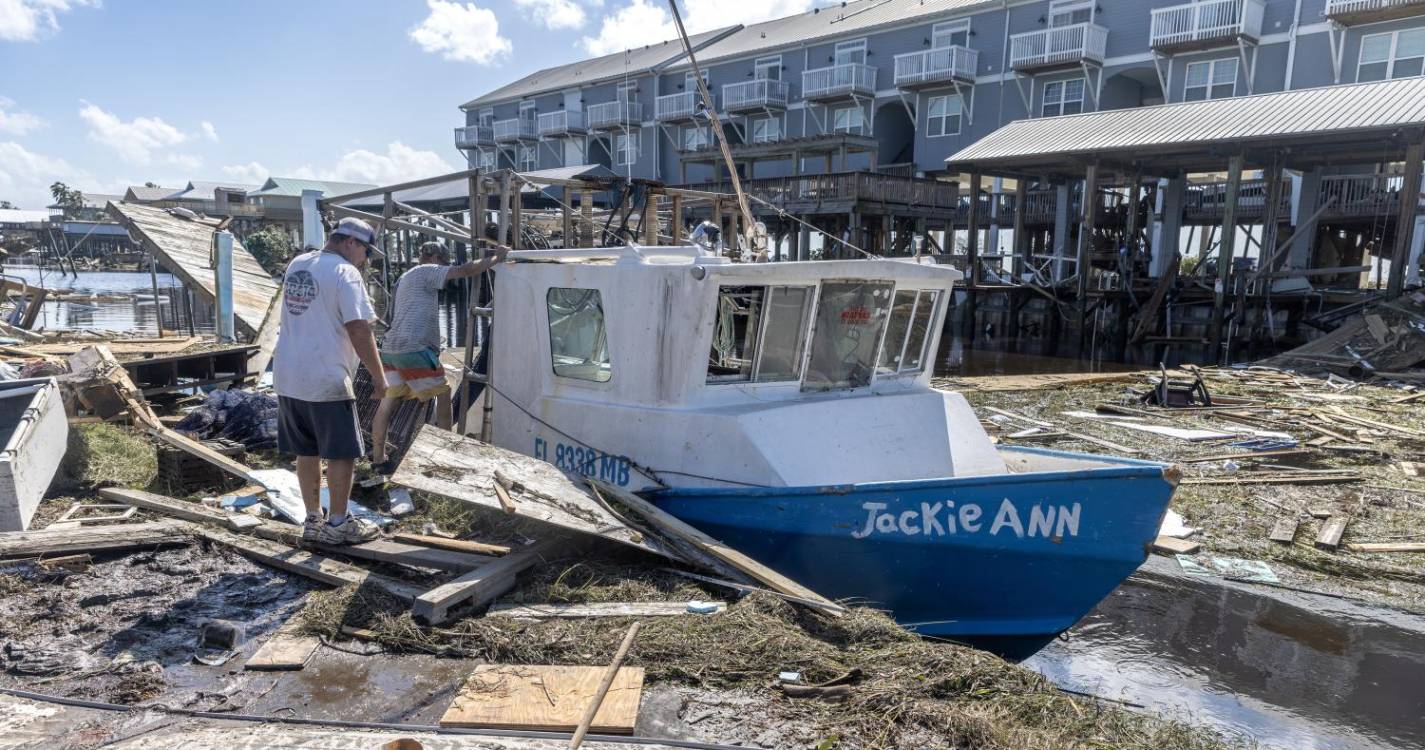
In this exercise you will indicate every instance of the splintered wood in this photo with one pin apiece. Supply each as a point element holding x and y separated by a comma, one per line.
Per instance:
<point>544,698</point>
<point>460,468</point>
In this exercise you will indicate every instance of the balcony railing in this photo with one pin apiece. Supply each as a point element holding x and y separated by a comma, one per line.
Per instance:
<point>839,81</point>
<point>516,129</point>
<point>610,115</point>
<point>563,122</point>
<point>1361,195</point>
<point>940,65</point>
<point>474,136</point>
<point>1361,11</point>
<point>761,93</point>
<point>1064,45</point>
<point>1206,23</point>
<point>683,106</point>
<point>1208,201</point>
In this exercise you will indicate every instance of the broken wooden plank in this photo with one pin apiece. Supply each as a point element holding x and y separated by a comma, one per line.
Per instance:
<point>1302,478</point>
<point>1386,547</point>
<point>729,556</point>
<point>458,545</point>
<point>379,550</point>
<point>481,585</point>
<point>544,698</point>
<point>598,609</point>
<point>443,463</point>
<point>1242,455</point>
<point>611,673</point>
<point>303,563</point>
<point>180,508</point>
<point>1172,545</point>
<point>266,338</point>
<point>286,650</point>
<point>1284,530</point>
<point>92,539</point>
<point>1331,531</point>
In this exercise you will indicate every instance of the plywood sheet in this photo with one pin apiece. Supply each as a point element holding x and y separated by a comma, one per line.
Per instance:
<point>545,698</point>
<point>184,247</point>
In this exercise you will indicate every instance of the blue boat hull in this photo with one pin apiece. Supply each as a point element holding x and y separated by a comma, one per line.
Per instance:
<point>1004,562</point>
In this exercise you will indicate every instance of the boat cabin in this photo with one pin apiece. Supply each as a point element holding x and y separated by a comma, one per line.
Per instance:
<point>661,366</point>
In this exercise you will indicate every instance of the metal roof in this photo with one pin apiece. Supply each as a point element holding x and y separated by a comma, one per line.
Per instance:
<point>291,187</point>
<point>23,216</point>
<point>145,193</point>
<point>632,62</point>
<point>1369,111</point>
<point>206,191</point>
<point>833,21</point>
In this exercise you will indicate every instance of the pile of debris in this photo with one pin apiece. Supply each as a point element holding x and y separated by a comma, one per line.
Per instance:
<point>1384,341</point>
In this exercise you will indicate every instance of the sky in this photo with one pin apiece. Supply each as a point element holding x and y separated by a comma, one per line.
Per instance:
<point>103,94</point>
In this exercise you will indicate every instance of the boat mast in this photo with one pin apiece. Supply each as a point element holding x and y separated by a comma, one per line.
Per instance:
<point>758,239</point>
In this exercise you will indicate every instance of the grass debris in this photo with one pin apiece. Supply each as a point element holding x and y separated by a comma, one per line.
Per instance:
<point>106,454</point>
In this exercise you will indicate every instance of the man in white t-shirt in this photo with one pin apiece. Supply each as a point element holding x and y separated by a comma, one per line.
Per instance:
<point>326,332</point>
<point>410,353</point>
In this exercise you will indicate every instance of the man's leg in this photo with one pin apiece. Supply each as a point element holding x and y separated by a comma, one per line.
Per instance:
<point>309,478</point>
<point>379,425</point>
<point>443,418</point>
<point>339,472</point>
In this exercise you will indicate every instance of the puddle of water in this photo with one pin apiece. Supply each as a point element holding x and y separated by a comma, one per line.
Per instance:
<point>134,311</point>
<point>991,358</point>
<point>1256,667</point>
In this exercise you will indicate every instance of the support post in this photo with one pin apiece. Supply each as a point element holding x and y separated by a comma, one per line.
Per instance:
<point>1226,250</point>
<point>1167,238</point>
<point>586,218</point>
<point>675,222</point>
<point>972,259</point>
<point>516,237</point>
<point>1306,200</point>
<point>1063,203</point>
<point>1021,236</point>
<point>650,218</point>
<point>503,217</point>
<point>312,235</point>
<point>1085,253</point>
<point>222,288</point>
<point>1405,219</point>
<point>566,216</point>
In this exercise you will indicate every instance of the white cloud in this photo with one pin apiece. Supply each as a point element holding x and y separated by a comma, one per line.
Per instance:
<point>134,141</point>
<point>17,122</point>
<point>25,176</point>
<point>251,173</point>
<point>29,20</point>
<point>554,14</point>
<point>189,163</point>
<point>399,164</point>
<point>462,32</point>
<point>209,131</point>
<point>639,22</point>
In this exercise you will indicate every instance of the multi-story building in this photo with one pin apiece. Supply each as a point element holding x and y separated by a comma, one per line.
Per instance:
<point>898,85</point>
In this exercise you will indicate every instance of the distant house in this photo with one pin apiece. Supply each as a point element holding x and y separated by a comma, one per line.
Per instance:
<point>146,194</point>
<point>92,208</point>
<point>281,198</point>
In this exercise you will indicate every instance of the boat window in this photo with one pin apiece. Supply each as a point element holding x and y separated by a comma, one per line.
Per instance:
<point>785,334</point>
<point>914,358</point>
<point>578,342</point>
<point>734,343</point>
<point>896,330</point>
<point>850,318</point>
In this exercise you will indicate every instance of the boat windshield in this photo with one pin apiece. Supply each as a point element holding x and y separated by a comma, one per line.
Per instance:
<point>578,342</point>
<point>850,318</point>
<point>760,334</point>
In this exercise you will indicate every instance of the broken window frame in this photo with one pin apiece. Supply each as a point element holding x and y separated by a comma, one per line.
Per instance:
<point>927,302</point>
<point>598,356</point>
<point>765,310</point>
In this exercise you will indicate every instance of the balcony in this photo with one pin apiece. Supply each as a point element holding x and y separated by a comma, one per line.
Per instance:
<point>846,81</point>
<point>515,129</point>
<point>474,136</point>
<point>680,107</point>
<point>1064,46</point>
<point>1209,23</point>
<point>761,93</point>
<point>1368,196</point>
<point>613,115</point>
<point>1367,11</point>
<point>954,64</point>
<point>561,123</point>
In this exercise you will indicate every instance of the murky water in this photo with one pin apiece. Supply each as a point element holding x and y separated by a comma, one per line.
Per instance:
<point>1293,672</point>
<point>120,301</point>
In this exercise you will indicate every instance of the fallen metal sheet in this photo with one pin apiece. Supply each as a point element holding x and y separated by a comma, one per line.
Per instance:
<point>1234,568</point>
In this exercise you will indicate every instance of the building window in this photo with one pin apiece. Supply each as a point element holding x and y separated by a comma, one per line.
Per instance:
<point>944,115</point>
<point>1398,54</point>
<point>766,130</point>
<point>627,92</point>
<point>696,137</point>
<point>851,53</point>
<point>487,118</point>
<point>1070,12</point>
<point>849,120</point>
<point>528,162</point>
<point>626,148</point>
<point>1063,98</point>
<point>690,81</point>
<point>768,68</point>
<point>1210,79</point>
<point>487,160</point>
<point>578,342</point>
<point>950,34</point>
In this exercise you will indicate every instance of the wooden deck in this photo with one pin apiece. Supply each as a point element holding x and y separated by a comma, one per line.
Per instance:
<point>179,372</point>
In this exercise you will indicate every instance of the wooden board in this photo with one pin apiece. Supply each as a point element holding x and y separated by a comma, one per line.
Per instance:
<point>544,698</point>
<point>597,609</point>
<point>285,650</point>
<point>184,247</point>
<point>1174,546</point>
<point>1035,382</point>
<point>443,463</point>
<point>459,545</point>
<point>303,563</point>
<point>380,550</point>
<point>1386,547</point>
<point>729,556</point>
<point>170,345</point>
<point>482,585</point>
<point>92,539</point>
<point>1331,531</point>
<point>180,508</point>
<point>1284,531</point>
<point>266,338</point>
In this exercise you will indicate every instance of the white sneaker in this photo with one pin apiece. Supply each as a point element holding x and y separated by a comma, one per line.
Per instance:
<point>351,531</point>
<point>312,527</point>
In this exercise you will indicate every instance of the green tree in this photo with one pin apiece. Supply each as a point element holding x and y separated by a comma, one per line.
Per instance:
<point>69,200</point>
<point>6,204</point>
<point>271,246</point>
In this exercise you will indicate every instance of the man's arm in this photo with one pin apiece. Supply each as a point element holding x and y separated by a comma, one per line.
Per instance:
<point>493,257</point>
<point>364,342</point>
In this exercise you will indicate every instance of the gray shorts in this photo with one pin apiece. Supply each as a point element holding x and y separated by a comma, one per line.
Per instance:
<point>328,429</point>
